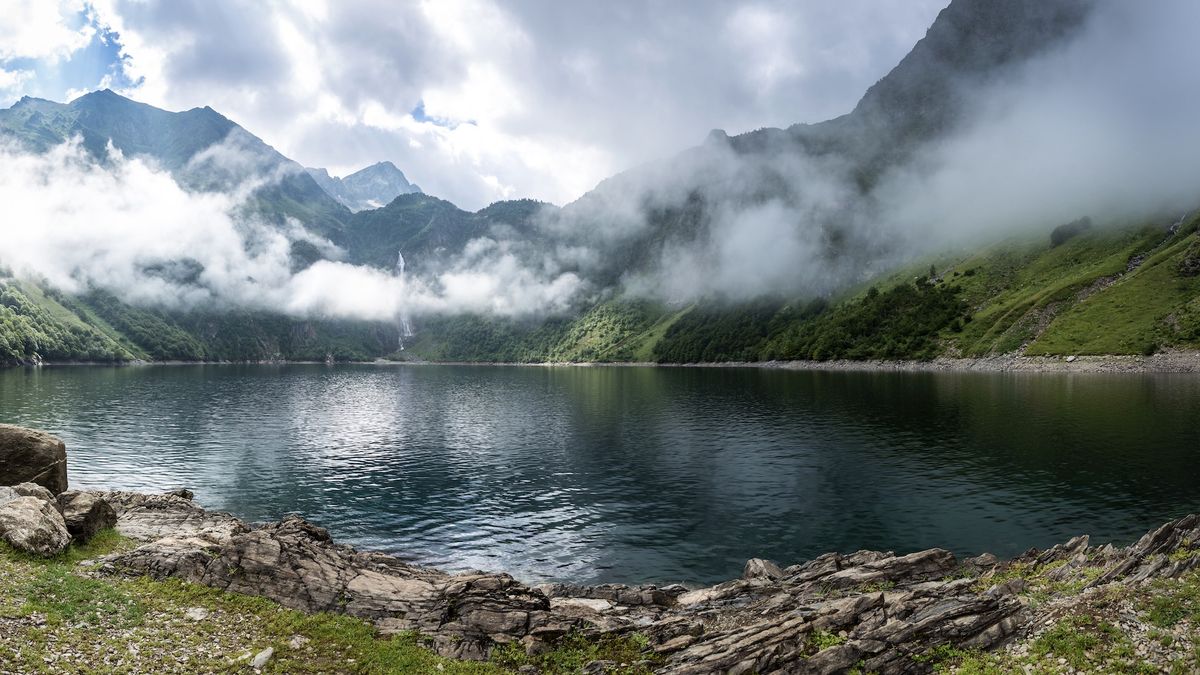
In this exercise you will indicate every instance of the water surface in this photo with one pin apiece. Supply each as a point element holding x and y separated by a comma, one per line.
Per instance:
<point>637,474</point>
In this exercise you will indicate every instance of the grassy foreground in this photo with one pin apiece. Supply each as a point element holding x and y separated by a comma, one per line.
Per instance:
<point>54,618</point>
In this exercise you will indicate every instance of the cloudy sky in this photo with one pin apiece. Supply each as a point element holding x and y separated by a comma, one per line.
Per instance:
<point>476,100</point>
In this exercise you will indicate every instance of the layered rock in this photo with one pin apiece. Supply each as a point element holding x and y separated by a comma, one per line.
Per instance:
<point>884,613</point>
<point>147,517</point>
<point>31,456</point>
<point>875,611</point>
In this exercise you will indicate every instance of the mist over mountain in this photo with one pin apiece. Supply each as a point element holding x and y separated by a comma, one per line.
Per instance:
<point>1009,116</point>
<point>370,188</point>
<point>204,150</point>
<point>800,210</point>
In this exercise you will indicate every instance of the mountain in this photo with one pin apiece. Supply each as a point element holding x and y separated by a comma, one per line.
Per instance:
<point>177,141</point>
<point>429,232</point>
<point>369,188</point>
<point>39,323</point>
<point>1130,290</point>
<point>971,44</point>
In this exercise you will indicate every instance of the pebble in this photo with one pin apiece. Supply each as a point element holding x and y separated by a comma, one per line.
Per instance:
<point>196,613</point>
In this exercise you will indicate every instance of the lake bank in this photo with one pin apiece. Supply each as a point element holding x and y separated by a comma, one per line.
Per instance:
<point>106,577</point>
<point>1072,607</point>
<point>1166,361</point>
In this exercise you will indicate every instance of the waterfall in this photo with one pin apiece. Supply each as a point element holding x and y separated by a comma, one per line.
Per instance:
<point>403,322</point>
<point>1179,223</point>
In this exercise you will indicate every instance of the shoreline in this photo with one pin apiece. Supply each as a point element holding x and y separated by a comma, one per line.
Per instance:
<point>1174,361</point>
<point>871,610</point>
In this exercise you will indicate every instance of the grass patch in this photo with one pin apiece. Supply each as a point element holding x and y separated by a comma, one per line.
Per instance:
<point>1174,600</point>
<point>1011,283</point>
<point>66,597</point>
<point>1086,642</point>
<point>820,640</point>
<point>876,587</point>
<point>55,618</point>
<point>629,654</point>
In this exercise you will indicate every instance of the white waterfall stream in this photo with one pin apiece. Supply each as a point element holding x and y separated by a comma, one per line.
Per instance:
<point>403,321</point>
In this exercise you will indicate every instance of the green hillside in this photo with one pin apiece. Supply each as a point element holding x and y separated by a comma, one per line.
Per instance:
<point>1123,291</point>
<point>42,325</point>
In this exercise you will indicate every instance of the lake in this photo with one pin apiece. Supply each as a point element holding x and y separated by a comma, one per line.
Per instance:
<point>625,474</point>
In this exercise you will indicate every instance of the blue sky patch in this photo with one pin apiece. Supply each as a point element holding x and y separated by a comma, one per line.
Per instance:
<point>98,65</point>
<point>418,114</point>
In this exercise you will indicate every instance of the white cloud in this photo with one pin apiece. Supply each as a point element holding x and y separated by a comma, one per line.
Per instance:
<point>43,29</point>
<point>561,95</point>
<point>763,39</point>
<point>13,81</point>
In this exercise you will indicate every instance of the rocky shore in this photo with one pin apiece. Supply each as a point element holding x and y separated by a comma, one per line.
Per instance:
<point>1074,607</point>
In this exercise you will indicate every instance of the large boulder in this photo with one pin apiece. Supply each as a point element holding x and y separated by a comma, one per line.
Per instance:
<point>28,455</point>
<point>33,525</point>
<point>86,513</point>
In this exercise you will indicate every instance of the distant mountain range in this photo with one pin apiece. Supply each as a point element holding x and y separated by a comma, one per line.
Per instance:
<point>977,303</point>
<point>370,188</point>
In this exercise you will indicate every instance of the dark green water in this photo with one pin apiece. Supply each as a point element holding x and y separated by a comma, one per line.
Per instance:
<point>637,474</point>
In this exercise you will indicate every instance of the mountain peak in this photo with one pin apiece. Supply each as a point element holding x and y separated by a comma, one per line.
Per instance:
<point>101,95</point>
<point>26,101</point>
<point>369,188</point>
<point>970,43</point>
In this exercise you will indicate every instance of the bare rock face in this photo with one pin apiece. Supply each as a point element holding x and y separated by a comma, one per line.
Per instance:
<point>33,525</point>
<point>86,513</point>
<point>31,456</point>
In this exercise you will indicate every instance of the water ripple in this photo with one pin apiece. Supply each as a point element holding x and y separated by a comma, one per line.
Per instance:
<point>624,474</point>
